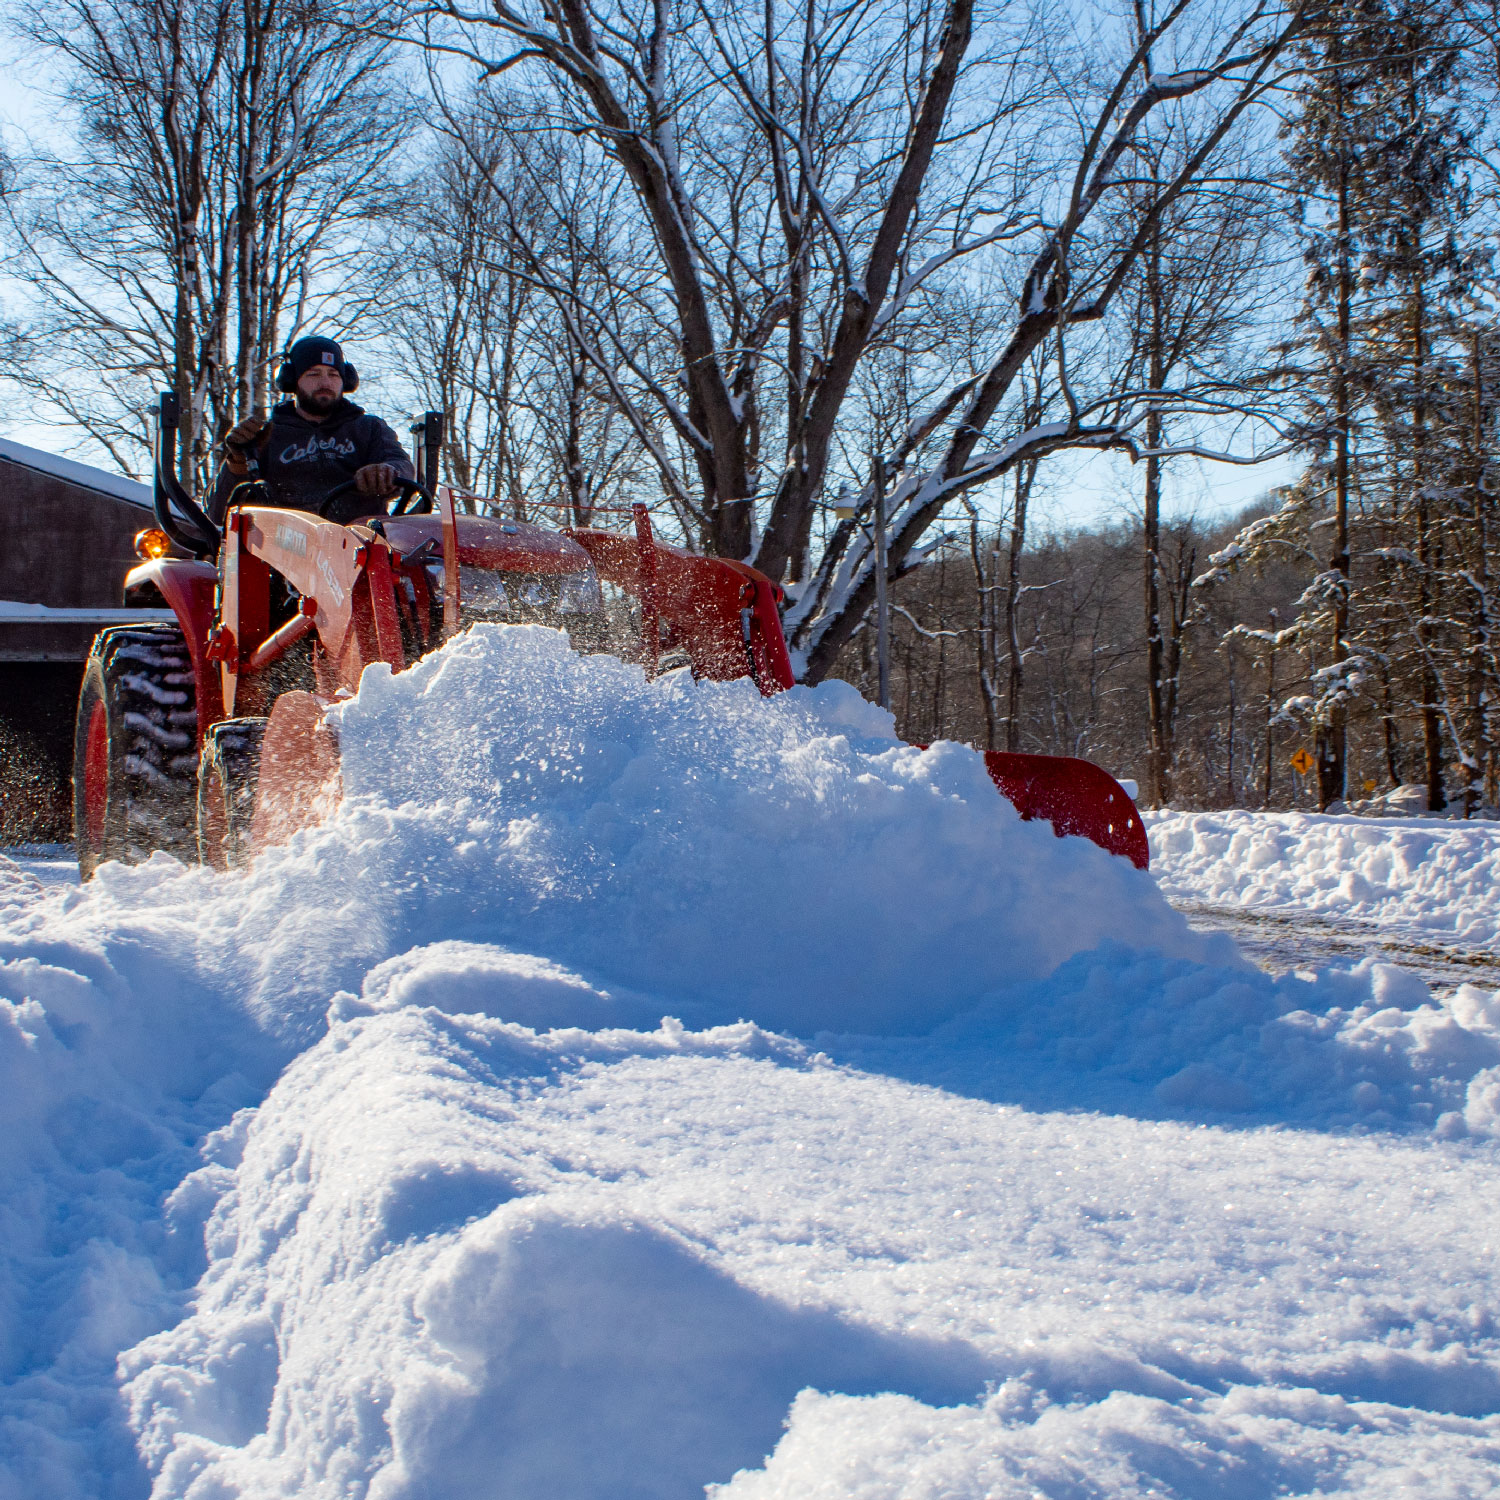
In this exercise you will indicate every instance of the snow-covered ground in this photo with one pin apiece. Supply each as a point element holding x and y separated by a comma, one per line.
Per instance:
<point>1431,875</point>
<point>640,1088</point>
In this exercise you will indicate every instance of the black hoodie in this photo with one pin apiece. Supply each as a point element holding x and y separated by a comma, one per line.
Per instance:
<point>302,461</point>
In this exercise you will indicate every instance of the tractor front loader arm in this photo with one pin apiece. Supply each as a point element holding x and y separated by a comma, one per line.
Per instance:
<point>344,574</point>
<point>722,613</point>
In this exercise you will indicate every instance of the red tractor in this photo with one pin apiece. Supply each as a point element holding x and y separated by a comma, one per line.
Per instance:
<point>207,736</point>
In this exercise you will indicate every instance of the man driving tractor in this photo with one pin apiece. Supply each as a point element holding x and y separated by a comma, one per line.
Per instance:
<point>319,451</point>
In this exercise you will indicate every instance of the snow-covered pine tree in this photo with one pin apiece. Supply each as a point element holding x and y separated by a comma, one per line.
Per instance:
<point>1463,497</point>
<point>1324,155</point>
<point>1408,204</point>
<point>1328,140</point>
<point>1373,154</point>
<point>1478,500</point>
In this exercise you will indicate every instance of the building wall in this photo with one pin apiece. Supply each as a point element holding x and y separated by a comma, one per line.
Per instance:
<point>66,543</point>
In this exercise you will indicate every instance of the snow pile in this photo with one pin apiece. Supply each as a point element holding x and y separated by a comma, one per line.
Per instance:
<point>450,1258</point>
<point>696,847</point>
<point>1148,1036</point>
<point>790,860</point>
<point>384,1176</point>
<point>1429,873</point>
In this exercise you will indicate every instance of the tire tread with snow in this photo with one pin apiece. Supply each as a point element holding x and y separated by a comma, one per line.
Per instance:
<point>135,757</point>
<point>228,771</point>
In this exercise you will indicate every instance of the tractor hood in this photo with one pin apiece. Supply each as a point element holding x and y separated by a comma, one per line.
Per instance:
<point>491,543</point>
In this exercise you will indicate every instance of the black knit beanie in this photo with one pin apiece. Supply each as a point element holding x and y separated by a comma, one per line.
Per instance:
<point>313,350</point>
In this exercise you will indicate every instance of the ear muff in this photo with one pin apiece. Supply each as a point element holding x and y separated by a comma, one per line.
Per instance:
<point>286,382</point>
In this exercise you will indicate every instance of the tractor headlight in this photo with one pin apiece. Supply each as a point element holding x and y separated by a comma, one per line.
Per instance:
<point>579,594</point>
<point>482,590</point>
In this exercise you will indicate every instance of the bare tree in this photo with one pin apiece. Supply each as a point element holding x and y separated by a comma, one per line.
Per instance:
<point>517,247</point>
<point>810,181</point>
<point>1195,295</point>
<point>10,338</point>
<point>228,153</point>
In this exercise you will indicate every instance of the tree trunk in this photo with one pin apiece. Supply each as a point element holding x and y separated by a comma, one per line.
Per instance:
<point>1230,795</point>
<point>1024,477</point>
<point>1270,712</point>
<point>1427,544</point>
<point>247,235</point>
<point>1392,734</point>
<point>1159,773</point>
<point>1332,738</point>
<point>940,685</point>
<point>1480,752</point>
<point>984,634</point>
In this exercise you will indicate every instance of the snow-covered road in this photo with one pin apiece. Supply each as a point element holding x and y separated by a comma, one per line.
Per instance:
<point>1282,940</point>
<point>1299,891</point>
<point>641,1088</point>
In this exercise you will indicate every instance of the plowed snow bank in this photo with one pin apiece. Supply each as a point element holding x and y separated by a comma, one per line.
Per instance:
<point>1420,872</point>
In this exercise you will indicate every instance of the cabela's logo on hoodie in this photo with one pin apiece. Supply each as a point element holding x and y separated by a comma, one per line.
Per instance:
<point>317,447</point>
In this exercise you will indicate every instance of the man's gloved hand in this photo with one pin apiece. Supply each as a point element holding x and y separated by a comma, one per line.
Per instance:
<point>240,437</point>
<point>376,480</point>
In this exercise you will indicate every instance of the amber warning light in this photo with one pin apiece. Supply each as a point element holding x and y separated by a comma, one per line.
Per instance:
<point>151,544</point>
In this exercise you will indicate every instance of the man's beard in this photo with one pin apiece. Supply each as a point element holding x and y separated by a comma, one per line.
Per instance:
<point>319,404</point>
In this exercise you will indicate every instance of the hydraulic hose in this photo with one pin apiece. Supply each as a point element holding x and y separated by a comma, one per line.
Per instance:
<point>204,537</point>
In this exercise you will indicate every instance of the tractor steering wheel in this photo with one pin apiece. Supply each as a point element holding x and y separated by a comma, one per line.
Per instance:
<point>406,490</point>
<point>410,490</point>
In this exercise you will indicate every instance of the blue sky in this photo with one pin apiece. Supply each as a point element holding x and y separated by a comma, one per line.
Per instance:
<point>1081,490</point>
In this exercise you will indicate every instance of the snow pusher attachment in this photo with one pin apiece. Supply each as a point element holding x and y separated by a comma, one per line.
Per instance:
<point>1075,797</point>
<point>722,615</point>
<point>214,732</point>
<point>729,634</point>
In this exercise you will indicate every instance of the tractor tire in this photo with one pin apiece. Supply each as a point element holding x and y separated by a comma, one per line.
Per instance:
<point>134,764</point>
<point>228,770</point>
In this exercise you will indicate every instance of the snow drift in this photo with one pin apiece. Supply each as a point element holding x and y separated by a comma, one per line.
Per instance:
<point>453,1258</point>
<point>1430,874</point>
<point>382,1173</point>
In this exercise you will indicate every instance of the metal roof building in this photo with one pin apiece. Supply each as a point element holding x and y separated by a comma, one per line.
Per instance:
<point>68,530</point>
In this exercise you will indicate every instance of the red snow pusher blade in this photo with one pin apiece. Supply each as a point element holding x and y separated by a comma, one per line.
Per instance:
<point>1076,797</point>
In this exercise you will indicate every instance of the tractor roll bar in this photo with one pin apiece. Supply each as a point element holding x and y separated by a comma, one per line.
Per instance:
<point>427,441</point>
<point>430,429</point>
<point>204,537</point>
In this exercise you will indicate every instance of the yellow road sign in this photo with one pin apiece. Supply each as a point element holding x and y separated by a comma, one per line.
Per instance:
<point>1302,762</point>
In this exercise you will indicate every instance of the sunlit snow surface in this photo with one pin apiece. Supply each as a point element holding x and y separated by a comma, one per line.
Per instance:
<point>1434,875</point>
<point>962,1168</point>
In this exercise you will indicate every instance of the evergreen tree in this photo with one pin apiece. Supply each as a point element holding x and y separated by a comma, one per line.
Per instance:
<point>1411,208</point>
<point>1375,151</point>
